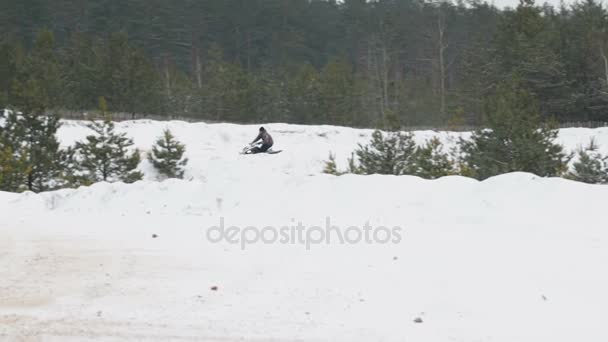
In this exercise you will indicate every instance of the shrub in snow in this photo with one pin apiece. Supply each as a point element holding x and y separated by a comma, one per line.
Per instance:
<point>591,167</point>
<point>396,153</point>
<point>167,156</point>
<point>516,139</point>
<point>104,156</point>
<point>330,165</point>
<point>387,153</point>
<point>431,162</point>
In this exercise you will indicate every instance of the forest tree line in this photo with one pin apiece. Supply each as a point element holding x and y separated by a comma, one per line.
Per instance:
<point>354,62</point>
<point>31,158</point>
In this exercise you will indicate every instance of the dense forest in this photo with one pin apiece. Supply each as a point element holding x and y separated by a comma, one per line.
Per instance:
<point>353,62</point>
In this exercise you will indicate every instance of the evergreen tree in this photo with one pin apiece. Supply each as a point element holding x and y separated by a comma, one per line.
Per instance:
<point>104,156</point>
<point>12,169</point>
<point>179,92</point>
<point>583,49</point>
<point>82,71</point>
<point>516,139</point>
<point>336,90</point>
<point>43,153</point>
<point>387,153</point>
<point>128,80</point>
<point>227,92</point>
<point>167,156</point>
<point>12,172</point>
<point>31,151</point>
<point>72,176</point>
<point>525,49</point>
<point>143,90</point>
<point>11,61</point>
<point>38,84</point>
<point>303,91</point>
<point>431,162</point>
<point>591,167</point>
<point>270,102</point>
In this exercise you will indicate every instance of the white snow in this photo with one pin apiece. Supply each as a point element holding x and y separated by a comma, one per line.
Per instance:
<point>514,258</point>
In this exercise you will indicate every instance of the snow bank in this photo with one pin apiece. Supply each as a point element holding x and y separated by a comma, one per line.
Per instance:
<point>513,258</point>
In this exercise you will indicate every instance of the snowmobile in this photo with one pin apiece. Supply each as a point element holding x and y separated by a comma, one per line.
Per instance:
<point>248,149</point>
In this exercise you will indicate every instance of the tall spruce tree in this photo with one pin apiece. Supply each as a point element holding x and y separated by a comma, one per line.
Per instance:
<point>516,139</point>
<point>12,57</point>
<point>37,85</point>
<point>336,93</point>
<point>82,72</point>
<point>167,156</point>
<point>128,80</point>
<point>525,48</point>
<point>29,133</point>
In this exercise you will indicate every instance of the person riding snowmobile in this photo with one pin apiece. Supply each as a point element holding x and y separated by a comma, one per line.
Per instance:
<point>267,142</point>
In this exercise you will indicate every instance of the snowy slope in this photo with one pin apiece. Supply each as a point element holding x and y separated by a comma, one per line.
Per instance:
<point>212,148</point>
<point>513,258</point>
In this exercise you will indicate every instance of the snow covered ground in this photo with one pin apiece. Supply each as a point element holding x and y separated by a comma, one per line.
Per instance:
<point>513,258</point>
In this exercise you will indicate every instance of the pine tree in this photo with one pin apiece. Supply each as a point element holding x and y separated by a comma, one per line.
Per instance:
<point>167,156</point>
<point>336,88</point>
<point>591,167</point>
<point>127,79</point>
<point>178,92</point>
<point>525,42</point>
<point>72,176</point>
<point>11,61</point>
<point>269,97</point>
<point>516,139</point>
<point>227,91</point>
<point>82,71</point>
<point>42,151</point>
<point>387,153</point>
<point>37,86</point>
<point>105,157</point>
<point>431,162</point>
<point>303,92</point>
<point>35,157</point>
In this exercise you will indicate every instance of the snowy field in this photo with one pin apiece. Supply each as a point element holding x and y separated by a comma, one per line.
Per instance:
<point>513,258</point>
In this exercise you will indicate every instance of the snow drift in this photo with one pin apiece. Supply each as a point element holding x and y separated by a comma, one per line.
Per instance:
<point>514,258</point>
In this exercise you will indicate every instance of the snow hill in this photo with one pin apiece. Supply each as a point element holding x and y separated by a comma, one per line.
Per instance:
<point>514,258</point>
